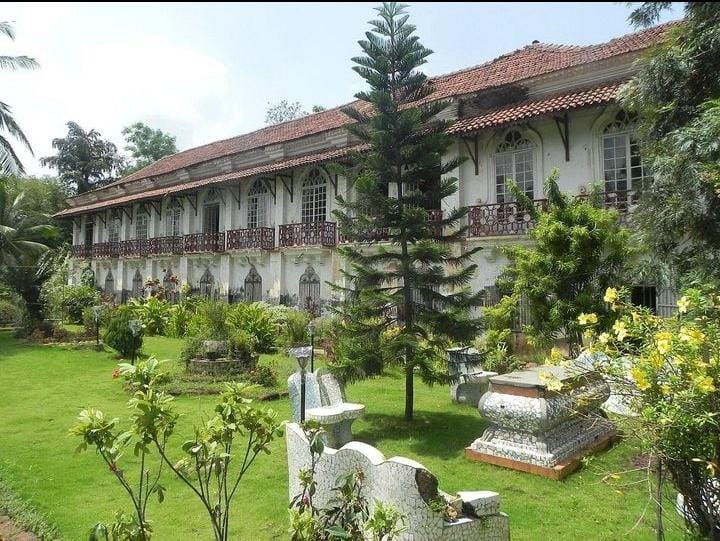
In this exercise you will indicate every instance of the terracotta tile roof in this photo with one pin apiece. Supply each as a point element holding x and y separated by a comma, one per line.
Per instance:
<point>576,99</point>
<point>159,193</point>
<point>530,61</point>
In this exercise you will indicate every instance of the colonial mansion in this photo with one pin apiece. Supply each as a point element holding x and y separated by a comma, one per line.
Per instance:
<point>250,218</point>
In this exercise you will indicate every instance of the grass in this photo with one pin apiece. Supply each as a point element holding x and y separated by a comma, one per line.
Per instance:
<point>45,387</point>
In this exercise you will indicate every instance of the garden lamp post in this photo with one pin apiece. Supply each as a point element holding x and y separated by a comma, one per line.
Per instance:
<point>135,327</point>
<point>97,310</point>
<point>311,333</point>
<point>302,355</point>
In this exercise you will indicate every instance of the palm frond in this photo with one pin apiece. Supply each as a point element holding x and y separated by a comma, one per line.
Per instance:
<point>18,63</point>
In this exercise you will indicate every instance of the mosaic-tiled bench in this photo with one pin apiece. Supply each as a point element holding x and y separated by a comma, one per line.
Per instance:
<point>538,430</point>
<point>325,403</point>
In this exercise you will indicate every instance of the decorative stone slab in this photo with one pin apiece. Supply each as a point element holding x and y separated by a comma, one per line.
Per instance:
<point>401,482</point>
<point>480,503</point>
<point>538,429</point>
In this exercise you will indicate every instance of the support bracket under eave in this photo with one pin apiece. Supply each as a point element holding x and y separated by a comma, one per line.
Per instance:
<point>332,177</point>
<point>157,205</point>
<point>271,185</point>
<point>128,211</point>
<point>473,151</point>
<point>285,179</point>
<point>193,204</point>
<point>563,126</point>
<point>235,197</point>
<point>101,216</point>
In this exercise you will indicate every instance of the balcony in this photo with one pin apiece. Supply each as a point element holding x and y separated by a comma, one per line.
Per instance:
<point>382,234</point>
<point>258,237</point>
<point>135,248</point>
<point>106,249</point>
<point>81,251</point>
<point>307,234</point>
<point>204,242</point>
<point>166,245</point>
<point>503,219</point>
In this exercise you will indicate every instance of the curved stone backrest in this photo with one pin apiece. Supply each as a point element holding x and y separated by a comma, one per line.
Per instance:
<point>400,482</point>
<point>312,394</point>
<point>331,392</point>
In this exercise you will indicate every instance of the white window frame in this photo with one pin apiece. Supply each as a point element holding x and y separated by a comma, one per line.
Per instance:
<point>141,227</point>
<point>513,152</point>
<point>617,160</point>
<point>314,198</point>
<point>114,229</point>
<point>257,203</point>
<point>173,224</point>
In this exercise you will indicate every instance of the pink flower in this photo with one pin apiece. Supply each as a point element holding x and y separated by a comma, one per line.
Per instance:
<point>116,373</point>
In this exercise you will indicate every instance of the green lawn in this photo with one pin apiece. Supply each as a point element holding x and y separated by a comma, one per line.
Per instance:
<point>43,389</point>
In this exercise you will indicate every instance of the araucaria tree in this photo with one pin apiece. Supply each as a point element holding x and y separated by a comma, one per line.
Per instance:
<point>404,279</point>
<point>677,98</point>
<point>579,250</point>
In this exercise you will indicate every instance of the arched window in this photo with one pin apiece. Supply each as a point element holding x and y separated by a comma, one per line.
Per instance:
<point>141,226</point>
<point>207,281</point>
<point>173,219</point>
<point>137,285</point>
<point>622,165</point>
<point>253,285</point>
<point>109,284</point>
<point>514,159</point>
<point>211,212</point>
<point>309,290</point>
<point>114,229</point>
<point>314,197</point>
<point>257,205</point>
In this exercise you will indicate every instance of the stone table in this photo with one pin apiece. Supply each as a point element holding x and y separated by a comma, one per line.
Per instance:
<point>536,429</point>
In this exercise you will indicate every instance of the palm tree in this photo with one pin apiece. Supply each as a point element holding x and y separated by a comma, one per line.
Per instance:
<point>9,161</point>
<point>20,243</point>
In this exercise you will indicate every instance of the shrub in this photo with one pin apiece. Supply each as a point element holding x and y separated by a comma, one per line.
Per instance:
<point>60,333</point>
<point>118,334</point>
<point>258,320</point>
<point>209,320</point>
<point>106,312</point>
<point>242,345</point>
<point>265,376</point>
<point>10,313</point>
<point>75,299</point>
<point>295,328</point>
<point>153,312</point>
<point>179,319</point>
<point>496,344</point>
<point>192,348</point>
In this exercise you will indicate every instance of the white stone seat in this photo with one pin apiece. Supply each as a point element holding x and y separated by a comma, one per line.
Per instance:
<point>325,403</point>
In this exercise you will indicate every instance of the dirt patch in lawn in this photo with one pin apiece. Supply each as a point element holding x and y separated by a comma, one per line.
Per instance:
<point>10,532</point>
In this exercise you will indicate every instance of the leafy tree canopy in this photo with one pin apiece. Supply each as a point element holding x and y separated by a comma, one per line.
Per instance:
<point>9,162</point>
<point>84,160</point>
<point>677,96</point>
<point>284,110</point>
<point>146,145</point>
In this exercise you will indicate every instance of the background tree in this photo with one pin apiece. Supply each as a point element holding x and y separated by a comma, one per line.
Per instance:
<point>677,97</point>
<point>412,287</point>
<point>84,160</point>
<point>579,250</point>
<point>284,110</point>
<point>146,145</point>
<point>42,197</point>
<point>9,162</point>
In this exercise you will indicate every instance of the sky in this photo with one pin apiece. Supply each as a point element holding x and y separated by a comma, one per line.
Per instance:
<point>205,72</point>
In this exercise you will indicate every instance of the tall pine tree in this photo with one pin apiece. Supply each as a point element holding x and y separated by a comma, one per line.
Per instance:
<point>405,275</point>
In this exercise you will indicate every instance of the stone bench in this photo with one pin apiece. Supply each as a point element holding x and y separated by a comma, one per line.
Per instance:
<point>402,483</point>
<point>325,403</point>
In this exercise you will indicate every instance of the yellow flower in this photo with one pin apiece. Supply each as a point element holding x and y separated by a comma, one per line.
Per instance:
<point>657,361</point>
<point>692,336</point>
<point>604,338</point>
<point>640,378</point>
<point>635,317</point>
<point>611,295</point>
<point>683,304</point>
<point>587,319</point>
<point>556,356</point>
<point>664,342</point>
<point>550,381</point>
<point>705,384</point>
<point>620,330</point>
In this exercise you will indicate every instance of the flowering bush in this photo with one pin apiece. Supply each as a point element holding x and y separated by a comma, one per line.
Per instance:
<point>671,369</point>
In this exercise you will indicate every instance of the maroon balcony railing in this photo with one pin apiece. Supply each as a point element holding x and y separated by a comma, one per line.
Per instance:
<point>205,242</point>
<point>81,251</point>
<point>507,219</point>
<point>381,234</point>
<point>106,249</point>
<point>308,234</point>
<point>166,245</point>
<point>257,237</point>
<point>135,248</point>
